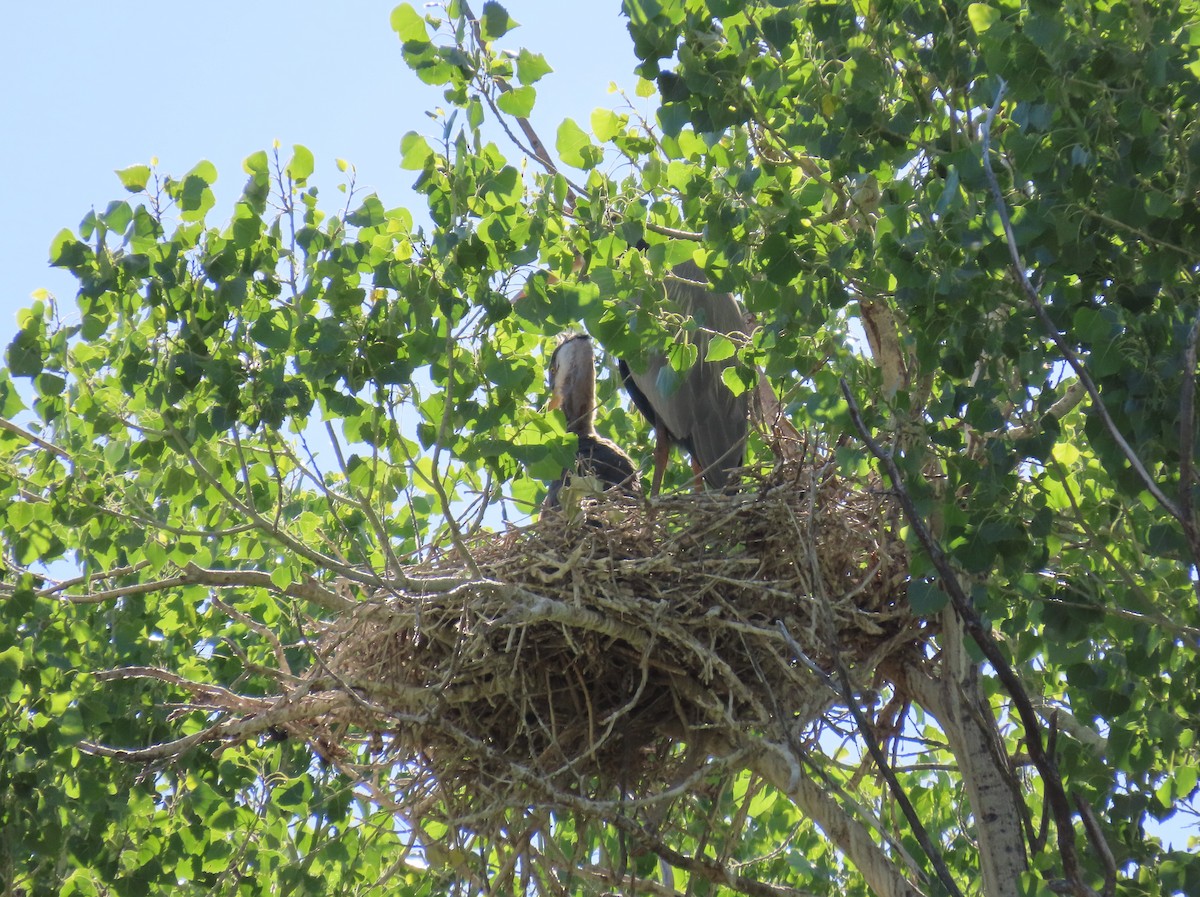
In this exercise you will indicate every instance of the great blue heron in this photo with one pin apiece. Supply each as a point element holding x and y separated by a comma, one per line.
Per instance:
<point>698,411</point>
<point>573,389</point>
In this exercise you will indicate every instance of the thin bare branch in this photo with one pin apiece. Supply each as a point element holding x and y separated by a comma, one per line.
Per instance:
<point>309,590</point>
<point>1096,836</point>
<point>840,682</point>
<point>889,775</point>
<point>332,564</point>
<point>227,730</point>
<point>1187,446</point>
<point>33,439</point>
<point>364,503</point>
<point>1019,274</point>
<point>673,233</point>
<point>973,623</point>
<point>537,148</point>
<point>435,478</point>
<point>779,766</point>
<point>1065,404</point>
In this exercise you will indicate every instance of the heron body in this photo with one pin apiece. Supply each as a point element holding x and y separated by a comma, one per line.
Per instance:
<point>573,390</point>
<point>698,412</point>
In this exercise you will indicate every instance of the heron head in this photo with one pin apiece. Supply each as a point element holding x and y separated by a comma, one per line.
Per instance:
<point>573,381</point>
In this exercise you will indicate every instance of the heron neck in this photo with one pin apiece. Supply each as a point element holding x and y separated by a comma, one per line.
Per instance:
<point>580,420</point>
<point>579,406</point>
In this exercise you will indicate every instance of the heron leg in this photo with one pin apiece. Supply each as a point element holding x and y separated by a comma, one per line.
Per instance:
<point>698,472</point>
<point>662,453</point>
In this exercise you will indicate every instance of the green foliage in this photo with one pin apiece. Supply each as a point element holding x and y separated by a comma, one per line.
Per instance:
<point>302,391</point>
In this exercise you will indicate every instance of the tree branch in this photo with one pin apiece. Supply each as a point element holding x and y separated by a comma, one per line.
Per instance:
<point>1019,274</point>
<point>780,767</point>
<point>1187,437</point>
<point>309,590</point>
<point>33,439</point>
<point>537,148</point>
<point>1064,405</point>
<point>227,730</point>
<point>963,606</point>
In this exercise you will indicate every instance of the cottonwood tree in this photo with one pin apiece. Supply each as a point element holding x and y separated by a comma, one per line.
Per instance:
<point>257,637</point>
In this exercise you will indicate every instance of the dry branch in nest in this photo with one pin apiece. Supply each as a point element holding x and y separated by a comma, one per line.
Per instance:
<point>599,651</point>
<point>593,646</point>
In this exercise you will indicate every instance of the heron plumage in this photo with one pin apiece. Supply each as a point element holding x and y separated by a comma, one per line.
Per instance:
<point>700,412</point>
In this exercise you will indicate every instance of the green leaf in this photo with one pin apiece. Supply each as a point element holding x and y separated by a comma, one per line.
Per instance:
<point>257,164</point>
<point>66,251</point>
<point>982,16</point>
<point>281,577</point>
<point>272,331</point>
<point>720,347</point>
<point>370,214</point>
<point>26,354</point>
<point>300,166</point>
<point>117,215</point>
<point>606,124</point>
<point>517,102</point>
<point>12,661</point>
<point>10,399</point>
<point>495,22</point>
<point>925,597</point>
<point>733,379</point>
<point>531,67</point>
<point>195,195</point>
<point>682,356</point>
<point>409,25</point>
<point>203,171</point>
<point>574,147</point>
<point>48,384</point>
<point>134,178</point>
<point>414,151</point>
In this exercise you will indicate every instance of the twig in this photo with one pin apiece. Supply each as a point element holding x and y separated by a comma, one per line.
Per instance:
<point>435,478</point>
<point>1066,403</point>
<point>226,730</point>
<point>539,151</point>
<point>840,682</point>
<point>1068,354</point>
<point>265,632</point>
<point>65,584</point>
<point>1187,437</point>
<point>292,543</point>
<point>6,424</point>
<point>673,232</point>
<point>889,775</point>
<point>1097,838</point>
<point>309,590</point>
<point>964,608</point>
<point>364,504</point>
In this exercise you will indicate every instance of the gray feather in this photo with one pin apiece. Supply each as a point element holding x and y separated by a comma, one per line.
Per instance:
<point>701,413</point>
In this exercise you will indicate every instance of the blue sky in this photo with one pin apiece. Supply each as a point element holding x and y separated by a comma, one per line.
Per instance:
<point>90,88</point>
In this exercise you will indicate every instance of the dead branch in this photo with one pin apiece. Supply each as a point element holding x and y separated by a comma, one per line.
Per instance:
<point>1019,273</point>
<point>973,623</point>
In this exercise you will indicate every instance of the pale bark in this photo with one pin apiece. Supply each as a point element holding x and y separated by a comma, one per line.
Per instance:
<point>954,699</point>
<point>883,336</point>
<point>883,874</point>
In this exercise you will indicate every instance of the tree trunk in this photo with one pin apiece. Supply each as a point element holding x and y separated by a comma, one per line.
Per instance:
<point>955,701</point>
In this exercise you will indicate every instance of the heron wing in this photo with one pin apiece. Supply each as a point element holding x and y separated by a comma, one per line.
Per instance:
<point>701,413</point>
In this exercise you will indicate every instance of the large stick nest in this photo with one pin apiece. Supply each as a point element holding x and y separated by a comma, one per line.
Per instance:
<point>583,648</point>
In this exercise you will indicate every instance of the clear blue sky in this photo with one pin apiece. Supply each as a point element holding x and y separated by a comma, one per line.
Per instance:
<point>93,87</point>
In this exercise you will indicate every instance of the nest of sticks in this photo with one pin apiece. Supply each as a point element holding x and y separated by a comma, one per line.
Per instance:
<point>581,652</point>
